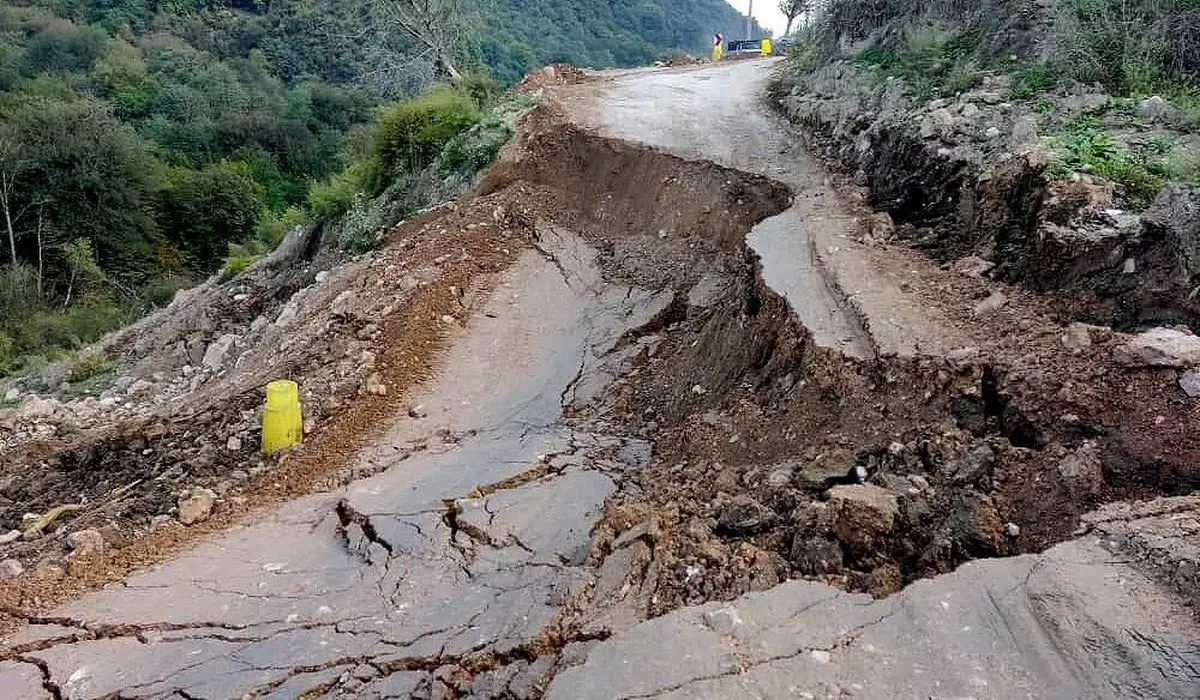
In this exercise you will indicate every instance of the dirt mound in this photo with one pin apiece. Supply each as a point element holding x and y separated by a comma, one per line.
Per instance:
<point>550,76</point>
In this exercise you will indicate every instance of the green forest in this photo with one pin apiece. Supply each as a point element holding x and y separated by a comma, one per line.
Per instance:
<point>141,139</point>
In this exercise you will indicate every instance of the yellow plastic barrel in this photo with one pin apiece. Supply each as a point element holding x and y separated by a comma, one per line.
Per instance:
<point>282,421</point>
<point>766,47</point>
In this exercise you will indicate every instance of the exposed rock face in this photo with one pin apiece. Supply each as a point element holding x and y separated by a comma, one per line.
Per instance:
<point>956,189</point>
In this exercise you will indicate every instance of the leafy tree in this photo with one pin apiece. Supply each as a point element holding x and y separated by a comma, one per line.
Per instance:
<point>90,171</point>
<point>203,211</point>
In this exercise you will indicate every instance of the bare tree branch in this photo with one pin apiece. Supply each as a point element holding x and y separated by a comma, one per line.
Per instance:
<point>792,9</point>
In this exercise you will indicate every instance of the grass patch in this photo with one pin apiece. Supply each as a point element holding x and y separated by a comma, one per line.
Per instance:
<point>932,60</point>
<point>235,265</point>
<point>1140,168</point>
<point>1034,79</point>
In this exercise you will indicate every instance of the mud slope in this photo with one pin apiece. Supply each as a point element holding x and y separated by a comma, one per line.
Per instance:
<point>647,464</point>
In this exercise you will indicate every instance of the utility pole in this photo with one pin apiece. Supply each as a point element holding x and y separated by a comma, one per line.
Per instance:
<point>749,19</point>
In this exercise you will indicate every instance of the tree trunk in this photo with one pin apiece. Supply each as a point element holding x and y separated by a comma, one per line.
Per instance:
<point>41,268</point>
<point>788,29</point>
<point>5,189</point>
<point>448,66</point>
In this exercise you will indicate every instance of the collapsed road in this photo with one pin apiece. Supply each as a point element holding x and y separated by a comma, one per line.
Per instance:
<point>608,487</point>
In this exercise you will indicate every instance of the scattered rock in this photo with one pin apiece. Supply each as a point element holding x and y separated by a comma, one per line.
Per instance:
<point>1024,133</point>
<point>699,390</point>
<point>722,621</point>
<point>11,568</point>
<point>1160,347</point>
<point>341,303</point>
<point>975,524</point>
<point>992,132</point>
<point>1012,529</point>
<point>1077,337</point>
<point>12,395</point>
<point>197,507</point>
<point>288,314</point>
<point>84,542</point>
<point>828,468</point>
<point>862,513</point>
<point>37,407</point>
<point>881,226</point>
<point>233,444</point>
<point>972,266</point>
<point>939,122</point>
<point>321,276</point>
<point>744,516</point>
<point>375,385</point>
<point>976,466</point>
<point>884,581</point>
<point>969,110</point>
<point>1190,383</point>
<point>994,302</point>
<point>1082,470</point>
<point>815,556</point>
<point>1154,109</point>
<point>10,537</point>
<point>217,352</point>
<point>160,520</point>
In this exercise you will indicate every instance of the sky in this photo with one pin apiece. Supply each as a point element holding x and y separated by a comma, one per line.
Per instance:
<point>765,11</point>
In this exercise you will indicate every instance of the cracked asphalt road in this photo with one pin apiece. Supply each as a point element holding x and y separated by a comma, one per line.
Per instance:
<point>456,555</point>
<point>1075,622</point>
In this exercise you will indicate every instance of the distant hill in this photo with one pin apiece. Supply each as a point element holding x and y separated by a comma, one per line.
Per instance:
<point>518,35</point>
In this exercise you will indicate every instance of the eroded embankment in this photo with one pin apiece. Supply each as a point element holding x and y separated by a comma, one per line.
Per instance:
<point>954,189</point>
<point>771,458</point>
<point>776,459</point>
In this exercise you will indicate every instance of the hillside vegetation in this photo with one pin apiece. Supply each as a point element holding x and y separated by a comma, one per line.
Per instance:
<point>144,145</point>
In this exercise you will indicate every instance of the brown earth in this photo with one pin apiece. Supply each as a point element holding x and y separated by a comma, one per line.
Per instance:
<point>757,432</point>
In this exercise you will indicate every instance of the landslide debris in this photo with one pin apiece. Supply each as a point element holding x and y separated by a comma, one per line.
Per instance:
<point>777,459</point>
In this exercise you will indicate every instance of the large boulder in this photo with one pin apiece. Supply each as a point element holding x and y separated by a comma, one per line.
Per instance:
<point>1160,347</point>
<point>862,514</point>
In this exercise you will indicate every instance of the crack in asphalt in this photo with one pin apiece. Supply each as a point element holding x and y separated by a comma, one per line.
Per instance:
<point>43,668</point>
<point>846,640</point>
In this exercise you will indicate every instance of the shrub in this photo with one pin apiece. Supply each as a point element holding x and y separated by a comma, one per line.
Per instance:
<point>475,149</point>
<point>361,226</point>
<point>931,59</point>
<point>236,265</point>
<point>481,87</point>
<point>412,134</point>
<point>332,198</point>
<point>88,365</point>
<point>8,352</point>
<point>1034,79</point>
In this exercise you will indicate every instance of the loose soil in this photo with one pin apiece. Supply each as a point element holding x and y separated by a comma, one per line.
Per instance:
<point>990,451</point>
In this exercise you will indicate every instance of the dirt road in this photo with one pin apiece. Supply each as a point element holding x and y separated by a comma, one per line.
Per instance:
<point>468,565</point>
